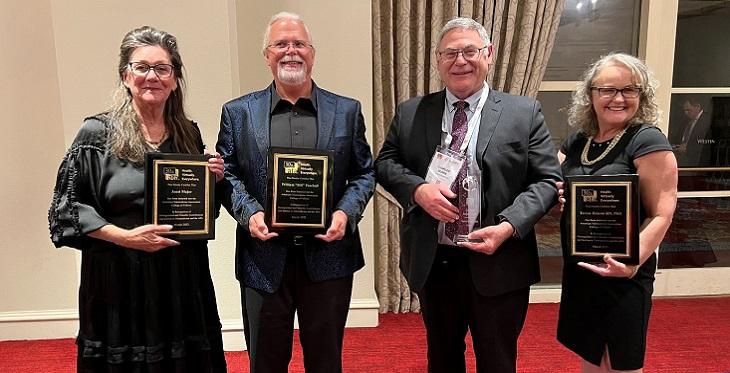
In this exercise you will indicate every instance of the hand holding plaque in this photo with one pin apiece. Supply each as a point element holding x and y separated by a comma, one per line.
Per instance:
<point>602,217</point>
<point>180,191</point>
<point>299,190</point>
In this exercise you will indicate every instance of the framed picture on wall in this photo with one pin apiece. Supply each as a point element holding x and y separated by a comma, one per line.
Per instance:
<point>699,131</point>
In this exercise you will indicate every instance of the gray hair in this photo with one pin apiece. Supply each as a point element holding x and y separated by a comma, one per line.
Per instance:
<point>465,23</point>
<point>282,16</point>
<point>581,113</point>
<point>128,141</point>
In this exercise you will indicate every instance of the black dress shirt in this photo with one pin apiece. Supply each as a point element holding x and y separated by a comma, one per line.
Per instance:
<point>293,125</point>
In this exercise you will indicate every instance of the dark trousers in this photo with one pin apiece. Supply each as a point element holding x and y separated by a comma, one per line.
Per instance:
<point>451,306</point>
<point>321,309</point>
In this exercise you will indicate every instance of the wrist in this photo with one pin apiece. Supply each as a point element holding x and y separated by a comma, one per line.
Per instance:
<point>341,214</point>
<point>634,270</point>
<point>414,195</point>
<point>111,233</point>
<point>120,237</point>
<point>510,228</point>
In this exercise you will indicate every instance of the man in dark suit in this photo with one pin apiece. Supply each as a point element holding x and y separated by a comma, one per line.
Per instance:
<point>281,273</point>
<point>479,286</point>
<point>695,147</point>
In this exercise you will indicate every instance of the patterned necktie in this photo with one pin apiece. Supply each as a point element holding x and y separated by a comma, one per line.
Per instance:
<point>458,134</point>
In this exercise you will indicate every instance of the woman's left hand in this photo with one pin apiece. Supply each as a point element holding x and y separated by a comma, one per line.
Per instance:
<point>561,194</point>
<point>215,165</point>
<point>611,268</point>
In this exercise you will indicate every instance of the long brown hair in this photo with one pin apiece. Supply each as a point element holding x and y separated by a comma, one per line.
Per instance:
<point>127,140</point>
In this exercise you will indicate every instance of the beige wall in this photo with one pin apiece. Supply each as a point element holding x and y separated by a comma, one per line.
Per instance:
<point>34,276</point>
<point>58,66</point>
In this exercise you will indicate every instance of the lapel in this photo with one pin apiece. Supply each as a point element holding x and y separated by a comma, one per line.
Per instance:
<point>260,108</point>
<point>326,109</point>
<point>433,117</point>
<point>491,113</point>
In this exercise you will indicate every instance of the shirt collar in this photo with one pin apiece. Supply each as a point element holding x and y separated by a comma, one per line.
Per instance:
<point>473,100</point>
<point>275,98</point>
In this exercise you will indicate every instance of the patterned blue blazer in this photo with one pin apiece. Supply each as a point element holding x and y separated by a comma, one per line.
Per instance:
<point>243,142</point>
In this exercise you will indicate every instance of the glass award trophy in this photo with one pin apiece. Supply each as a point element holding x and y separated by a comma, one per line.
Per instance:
<point>470,211</point>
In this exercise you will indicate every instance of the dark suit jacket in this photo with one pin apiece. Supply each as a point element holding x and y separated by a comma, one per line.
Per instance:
<point>243,142</point>
<point>698,151</point>
<point>519,171</point>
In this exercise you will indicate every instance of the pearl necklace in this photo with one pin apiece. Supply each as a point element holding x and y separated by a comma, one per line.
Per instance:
<point>584,156</point>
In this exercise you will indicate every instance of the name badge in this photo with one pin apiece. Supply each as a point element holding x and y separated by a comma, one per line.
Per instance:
<point>444,167</point>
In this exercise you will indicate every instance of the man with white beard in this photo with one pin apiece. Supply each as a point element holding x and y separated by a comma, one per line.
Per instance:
<point>283,271</point>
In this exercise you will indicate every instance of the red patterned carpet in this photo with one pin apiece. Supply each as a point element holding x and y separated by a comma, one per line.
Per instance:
<point>685,336</point>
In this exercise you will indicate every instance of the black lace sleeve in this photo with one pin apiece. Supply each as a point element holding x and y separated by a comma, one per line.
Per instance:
<point>73,212</point>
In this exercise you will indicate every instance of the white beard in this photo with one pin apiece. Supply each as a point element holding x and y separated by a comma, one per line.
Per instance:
<point>295,77</point>
<point>292,77</point>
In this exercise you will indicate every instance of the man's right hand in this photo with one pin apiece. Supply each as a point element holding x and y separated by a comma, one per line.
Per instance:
<point>258,228</point>
<point>434,199</point>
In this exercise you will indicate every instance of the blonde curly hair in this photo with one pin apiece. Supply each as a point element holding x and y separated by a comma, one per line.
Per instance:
<point>581,114</point>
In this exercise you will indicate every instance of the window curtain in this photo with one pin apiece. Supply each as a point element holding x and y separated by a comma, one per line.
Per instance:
<point>405,36</point>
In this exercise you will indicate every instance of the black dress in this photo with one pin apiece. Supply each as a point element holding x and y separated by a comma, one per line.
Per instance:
<point>138,311</point>
<point>598,311</point>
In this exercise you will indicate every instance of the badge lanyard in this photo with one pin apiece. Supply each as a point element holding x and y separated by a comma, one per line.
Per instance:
<point>471,125</point>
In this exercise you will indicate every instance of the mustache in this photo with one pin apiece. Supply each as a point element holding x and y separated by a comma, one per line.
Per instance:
<point>291,58</point>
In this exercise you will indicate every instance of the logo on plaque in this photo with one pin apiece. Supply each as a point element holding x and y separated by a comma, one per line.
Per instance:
<point>291,167</point>
<point>589,195</point>
<point>171,173</point>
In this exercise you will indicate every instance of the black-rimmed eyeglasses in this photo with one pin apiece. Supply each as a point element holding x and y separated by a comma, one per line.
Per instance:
<point>611,92</point>
<point>162,70</point>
